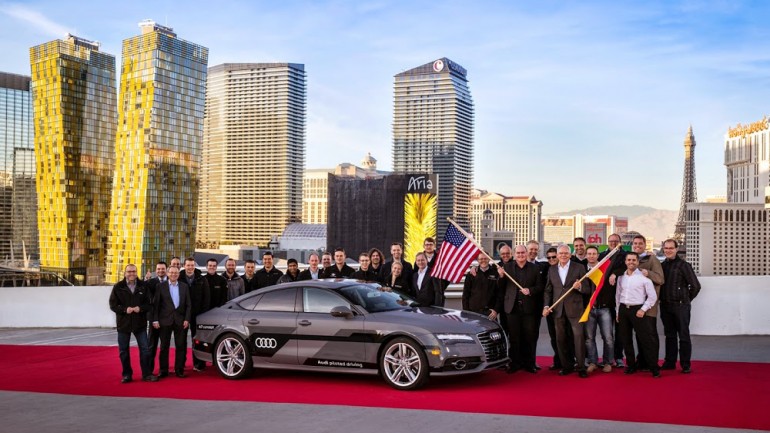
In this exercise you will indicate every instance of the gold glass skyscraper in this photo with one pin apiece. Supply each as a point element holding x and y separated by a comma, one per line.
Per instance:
<point>158,149</point>
<point>73,94</point>
<point>254,153</point>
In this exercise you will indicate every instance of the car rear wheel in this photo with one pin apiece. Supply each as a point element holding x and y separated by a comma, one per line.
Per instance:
<point>403,364</point>
<point>232,357</point>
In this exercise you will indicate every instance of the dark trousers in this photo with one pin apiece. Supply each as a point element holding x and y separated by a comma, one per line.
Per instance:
<point>153,337</point>
<point>644,327</point>
<point>180,344</point>
<point>641,358</point>
<point>522,334</point>
<point>193,326</point>
<point>124,343</point>
<point>549,321</point>
<point>563,324</point>
<point>439,287</point>
<point>618,341</point>
<point>676,326</point>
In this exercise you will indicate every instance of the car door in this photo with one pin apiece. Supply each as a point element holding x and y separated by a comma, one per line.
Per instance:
<point>271,326</point>
<point>325,340</point>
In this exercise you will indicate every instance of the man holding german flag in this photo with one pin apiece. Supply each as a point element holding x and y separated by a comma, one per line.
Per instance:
<point>599,312</point>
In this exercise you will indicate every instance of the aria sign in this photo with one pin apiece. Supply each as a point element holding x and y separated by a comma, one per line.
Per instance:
<point>422,184</point>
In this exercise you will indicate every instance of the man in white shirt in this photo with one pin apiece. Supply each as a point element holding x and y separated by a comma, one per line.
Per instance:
<point>634,297</point>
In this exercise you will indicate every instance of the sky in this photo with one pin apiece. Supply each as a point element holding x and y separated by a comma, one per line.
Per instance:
<point>577,103</point>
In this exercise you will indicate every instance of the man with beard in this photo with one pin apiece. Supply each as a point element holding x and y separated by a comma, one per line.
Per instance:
<point>235,284</point>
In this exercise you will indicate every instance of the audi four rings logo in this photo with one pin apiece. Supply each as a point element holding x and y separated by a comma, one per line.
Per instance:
<point>265,343</point>
<point>495,336</point>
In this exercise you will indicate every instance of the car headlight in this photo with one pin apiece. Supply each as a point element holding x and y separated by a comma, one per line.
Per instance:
<point>455,338</point>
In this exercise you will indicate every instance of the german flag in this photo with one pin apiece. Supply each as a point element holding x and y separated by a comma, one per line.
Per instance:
<point>597,276</point>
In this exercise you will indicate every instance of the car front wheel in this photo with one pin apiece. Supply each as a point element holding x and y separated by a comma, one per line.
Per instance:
<point>403,364</point>
<point>232,357</point>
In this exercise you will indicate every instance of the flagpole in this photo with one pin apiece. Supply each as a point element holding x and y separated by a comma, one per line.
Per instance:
<point>612,253</point>
<point>470,238</point>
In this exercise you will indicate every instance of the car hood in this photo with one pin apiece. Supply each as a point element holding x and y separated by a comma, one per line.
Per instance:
<point>437,319</point>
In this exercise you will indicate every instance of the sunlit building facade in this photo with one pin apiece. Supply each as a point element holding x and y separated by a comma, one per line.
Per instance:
<point>433,133</point>
<point>253,153</point>
<point>73,95</point>
<point>158,150</point>
<point>18,198</point>
<point>518,214</point>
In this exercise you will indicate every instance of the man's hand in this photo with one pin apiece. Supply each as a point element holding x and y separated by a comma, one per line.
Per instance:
<point>156,325</point>
<point>524,291</point>
<point>185,324</point>
<point>576,286</point>
<point>492,315</point>
<point>640,313</point>
<point>148,275</point>
<point>129,310</point>
<point>645,272</point>
<point>546,311</point>
<point>612,279</point>
<point>473,271</point>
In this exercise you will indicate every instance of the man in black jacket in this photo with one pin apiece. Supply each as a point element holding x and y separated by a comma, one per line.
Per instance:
<point>480,289</point>
<point>130,302</point>
<point>217,284</point>
<point>520,304</point>
<point>364,271</point>
<point>171,313</point>
<point>200,300</point>
<point>153,335</point>
<point>339,269</point>
<point>617,268</point>
<point>679,288</point>
<point>268,275</point>
<point>423,285</point>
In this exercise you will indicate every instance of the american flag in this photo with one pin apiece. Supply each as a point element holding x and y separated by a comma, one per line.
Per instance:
<point>456,254</point>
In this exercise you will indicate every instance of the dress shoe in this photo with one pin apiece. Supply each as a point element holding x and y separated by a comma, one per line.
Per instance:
<point>667,366</point>
<point>630,370</point>
<point>607,368</point>
<point>126,379</point>
<point>656,373</point>
<point>592,367</point>
<point>554,367</point>
<point>150,378</point>
<point>180,374</point>
<point>565,371</point>
<point>537,367</point>
<point>583,374</point>
<point>163,374</point>
<point>530,369</point>
<point>686,370</point>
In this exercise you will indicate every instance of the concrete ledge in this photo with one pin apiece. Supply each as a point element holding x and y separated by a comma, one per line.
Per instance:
<point>725,306</point>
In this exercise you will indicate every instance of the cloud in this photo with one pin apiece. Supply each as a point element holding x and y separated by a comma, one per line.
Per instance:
<point>39,21</point>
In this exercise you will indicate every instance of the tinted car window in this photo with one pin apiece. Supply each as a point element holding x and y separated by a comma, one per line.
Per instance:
<point>250,303</point>
<point>321,301</point>
<point>374,298</point>
<point>278,300</point>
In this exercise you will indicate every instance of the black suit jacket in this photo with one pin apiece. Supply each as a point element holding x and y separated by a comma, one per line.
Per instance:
<point>424,294</point>
<point>572,305</point>
<point>527,277</point>
<point>164,311</point>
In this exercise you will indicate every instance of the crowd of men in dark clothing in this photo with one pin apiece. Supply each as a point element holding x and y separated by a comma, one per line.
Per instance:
<point>171,300</point>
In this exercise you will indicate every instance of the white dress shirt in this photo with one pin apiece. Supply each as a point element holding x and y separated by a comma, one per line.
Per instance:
<point>635,289</point>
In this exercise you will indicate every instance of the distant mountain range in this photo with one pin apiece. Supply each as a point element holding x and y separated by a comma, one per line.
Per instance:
<point>656,223</point>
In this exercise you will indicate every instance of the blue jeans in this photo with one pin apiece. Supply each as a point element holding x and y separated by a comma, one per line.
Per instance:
<point>124,341</point>
<point>603,318</point>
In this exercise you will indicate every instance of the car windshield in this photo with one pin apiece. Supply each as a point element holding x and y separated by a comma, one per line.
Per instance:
<point>374,298</point>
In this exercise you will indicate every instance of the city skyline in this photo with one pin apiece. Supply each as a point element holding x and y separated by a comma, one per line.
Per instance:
<point>564,90</point>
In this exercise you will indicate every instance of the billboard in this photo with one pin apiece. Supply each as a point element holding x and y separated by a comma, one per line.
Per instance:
<point>595,233</point>
<point>420,212</point>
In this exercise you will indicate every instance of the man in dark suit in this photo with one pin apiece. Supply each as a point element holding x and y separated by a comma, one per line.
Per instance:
<point>172,314</point>
<point>521,308</point>
<point>423,286</point>
<point>566,314</point>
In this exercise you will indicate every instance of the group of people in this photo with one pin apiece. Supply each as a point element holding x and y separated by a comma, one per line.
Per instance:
<point>636,287</point>
<point>518,292</point>
<point>157,307</point>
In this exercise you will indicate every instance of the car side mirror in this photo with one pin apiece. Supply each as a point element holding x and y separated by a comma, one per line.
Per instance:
<point>342,311</point>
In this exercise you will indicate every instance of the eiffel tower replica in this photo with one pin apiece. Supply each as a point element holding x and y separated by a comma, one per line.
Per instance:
<point>689,190</point>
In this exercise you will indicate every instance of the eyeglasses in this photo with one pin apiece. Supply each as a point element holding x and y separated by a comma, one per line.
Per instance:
<point>550,257</point>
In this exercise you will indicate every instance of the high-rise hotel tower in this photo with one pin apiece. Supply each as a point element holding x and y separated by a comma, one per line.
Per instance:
<point>73,94</point>
<point>433,133</point>
<point>253,153</point>
<point>158,150</point>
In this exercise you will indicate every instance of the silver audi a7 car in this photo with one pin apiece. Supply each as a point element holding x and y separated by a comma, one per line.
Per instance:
<point>346,326</point>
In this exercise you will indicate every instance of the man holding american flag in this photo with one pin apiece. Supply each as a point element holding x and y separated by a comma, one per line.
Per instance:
<point>456,254</point>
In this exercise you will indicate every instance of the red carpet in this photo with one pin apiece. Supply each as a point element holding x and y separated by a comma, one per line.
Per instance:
<point>717,394</point>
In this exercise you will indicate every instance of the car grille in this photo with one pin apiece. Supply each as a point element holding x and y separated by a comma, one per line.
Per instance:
<point>494,350</point>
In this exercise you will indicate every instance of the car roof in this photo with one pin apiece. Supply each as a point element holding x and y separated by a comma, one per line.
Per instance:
<point>328,283</point>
